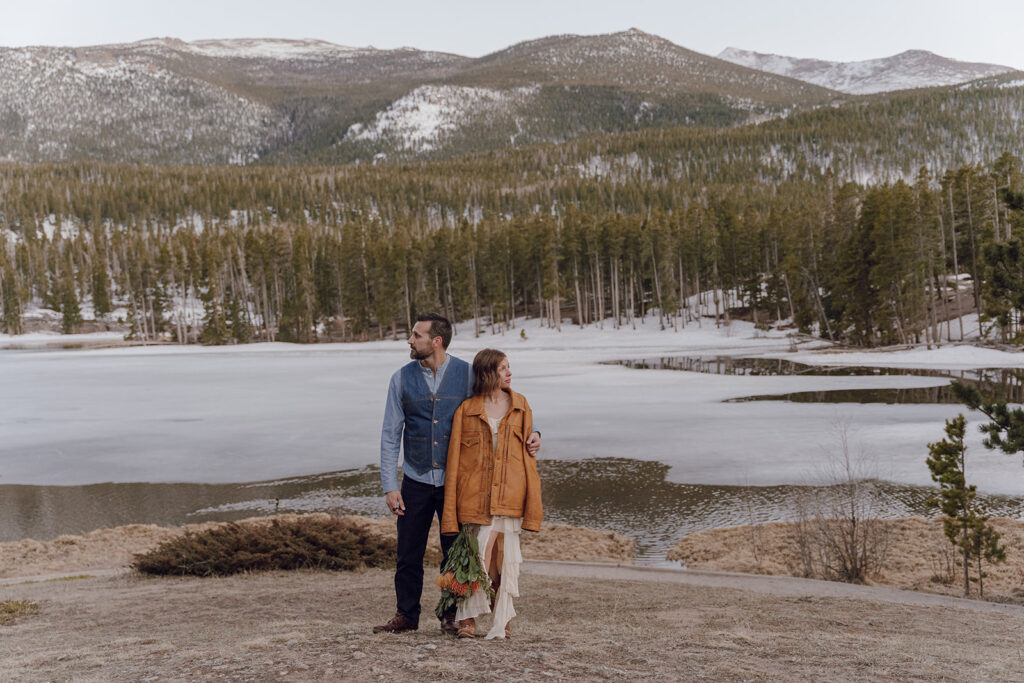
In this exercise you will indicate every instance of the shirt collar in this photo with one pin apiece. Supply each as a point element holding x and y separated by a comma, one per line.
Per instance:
<point>440,368</point>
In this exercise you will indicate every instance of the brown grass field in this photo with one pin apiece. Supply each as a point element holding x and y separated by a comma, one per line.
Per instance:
<point>316,626</point>
<point>918,557</point>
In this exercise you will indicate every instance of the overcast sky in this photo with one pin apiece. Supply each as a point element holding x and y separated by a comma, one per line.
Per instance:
<point>981,30</point>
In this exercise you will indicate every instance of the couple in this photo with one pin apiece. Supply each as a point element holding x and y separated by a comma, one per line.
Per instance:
<point>465,426</point>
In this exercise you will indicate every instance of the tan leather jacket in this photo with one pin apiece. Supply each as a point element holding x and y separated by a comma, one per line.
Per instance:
<point>480,481</point>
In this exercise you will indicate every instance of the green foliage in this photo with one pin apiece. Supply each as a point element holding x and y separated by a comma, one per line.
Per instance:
<point>965,522</point>
<point>303,543</point>
<point>1004,291</point>
<point>101,302</point>
<point>462,573</point>
<point>70,310</point>
<point>596,229</point>
<point>1005,430</point>
<point>10,296</point>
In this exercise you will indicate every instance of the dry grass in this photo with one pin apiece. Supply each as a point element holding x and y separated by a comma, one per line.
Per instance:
<point>115,548</point>
<point>10,610</point>
<point>918,557</point>
<point>315,626</point>
<point>553,542</point>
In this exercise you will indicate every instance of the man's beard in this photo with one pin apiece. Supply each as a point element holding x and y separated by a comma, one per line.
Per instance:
<point>418,355</point>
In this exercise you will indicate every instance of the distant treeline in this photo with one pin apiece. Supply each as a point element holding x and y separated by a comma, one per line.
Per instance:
<point>306,253</point>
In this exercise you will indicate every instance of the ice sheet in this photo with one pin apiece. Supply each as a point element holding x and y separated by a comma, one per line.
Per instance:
<point>260,411</point>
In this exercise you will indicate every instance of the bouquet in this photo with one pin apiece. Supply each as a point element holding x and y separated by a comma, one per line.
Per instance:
<point>462,574</point>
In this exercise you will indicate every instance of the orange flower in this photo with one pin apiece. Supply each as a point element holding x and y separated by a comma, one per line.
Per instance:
<point>444,581</point>
<point>474,587</point>
<point>459,589</point>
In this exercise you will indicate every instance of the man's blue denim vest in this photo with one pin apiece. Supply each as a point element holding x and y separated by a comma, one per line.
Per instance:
<point>428,417</point>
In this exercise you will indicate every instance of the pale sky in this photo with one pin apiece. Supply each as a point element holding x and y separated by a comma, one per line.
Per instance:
<point>979,31</point>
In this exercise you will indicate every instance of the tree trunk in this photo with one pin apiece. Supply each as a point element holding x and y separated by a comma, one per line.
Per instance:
<point>956,262</point>
<point>576,284</point>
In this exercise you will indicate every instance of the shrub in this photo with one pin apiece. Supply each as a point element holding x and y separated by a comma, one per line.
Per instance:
<point>313,542</point>
<point>12,609</point>
<point>839,535</point>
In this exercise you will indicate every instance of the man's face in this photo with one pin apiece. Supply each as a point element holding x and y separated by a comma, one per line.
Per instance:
<point>420,343</point>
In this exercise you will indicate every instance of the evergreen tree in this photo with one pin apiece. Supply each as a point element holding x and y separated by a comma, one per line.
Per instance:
<point>10,299</point>
<point>101,289</point>
<point>965,522</point>
<point>70,310</point>
<point>215,324</point>
<point>1005,429</point>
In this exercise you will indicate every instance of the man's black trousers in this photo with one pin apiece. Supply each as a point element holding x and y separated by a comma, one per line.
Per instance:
<point>422,502</point>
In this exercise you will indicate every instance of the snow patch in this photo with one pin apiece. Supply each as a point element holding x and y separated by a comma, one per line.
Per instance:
<point>428,114</point>
<point>910,69</point>
<point>272,48</point>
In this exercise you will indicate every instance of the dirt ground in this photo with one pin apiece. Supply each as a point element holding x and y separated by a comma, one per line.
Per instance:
<point>114,548</point>
<point>918,556</point>
<point>313,626</point>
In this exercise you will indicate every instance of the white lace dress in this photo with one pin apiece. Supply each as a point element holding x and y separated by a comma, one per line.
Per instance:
<point>510,528</point>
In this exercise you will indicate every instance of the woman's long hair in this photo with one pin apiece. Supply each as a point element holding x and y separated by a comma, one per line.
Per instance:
<point>485,371</point>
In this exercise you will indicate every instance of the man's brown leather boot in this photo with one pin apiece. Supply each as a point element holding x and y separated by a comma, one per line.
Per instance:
<point>398,624</point>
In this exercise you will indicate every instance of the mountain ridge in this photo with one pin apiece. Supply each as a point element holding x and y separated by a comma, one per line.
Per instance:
<point>163,100</point>
<point>909,69</point>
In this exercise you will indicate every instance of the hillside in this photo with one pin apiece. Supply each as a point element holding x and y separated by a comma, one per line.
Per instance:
<point>910,69</point>
<point>563,87</point>
<point>166,101</point>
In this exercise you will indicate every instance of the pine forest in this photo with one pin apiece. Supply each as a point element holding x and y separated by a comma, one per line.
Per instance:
<point>838,222</point>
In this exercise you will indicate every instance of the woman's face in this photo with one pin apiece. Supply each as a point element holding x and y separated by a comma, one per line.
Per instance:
<point>505,373</point>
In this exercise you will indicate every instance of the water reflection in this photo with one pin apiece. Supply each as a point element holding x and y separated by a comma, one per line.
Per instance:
<point>735,365</point>
<point>629,496</point>
<point>942,394</point>
<point>999,384</point>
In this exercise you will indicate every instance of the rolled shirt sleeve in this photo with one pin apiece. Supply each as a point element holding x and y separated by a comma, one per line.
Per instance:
<point>391,434</point>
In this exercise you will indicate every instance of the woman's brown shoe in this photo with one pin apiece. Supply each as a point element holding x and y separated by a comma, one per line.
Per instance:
<point>467,628</point>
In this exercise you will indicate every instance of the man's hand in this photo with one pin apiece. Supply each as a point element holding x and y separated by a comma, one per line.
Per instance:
<point>394,502</point>
<point>533,444</point>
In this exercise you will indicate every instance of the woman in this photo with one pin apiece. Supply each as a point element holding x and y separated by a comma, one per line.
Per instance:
<point>492,485</point>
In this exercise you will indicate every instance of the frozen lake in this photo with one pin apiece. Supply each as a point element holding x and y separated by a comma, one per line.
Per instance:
<point>218,416</point>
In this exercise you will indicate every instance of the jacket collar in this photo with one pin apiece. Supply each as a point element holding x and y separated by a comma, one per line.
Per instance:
<point>475,404</point>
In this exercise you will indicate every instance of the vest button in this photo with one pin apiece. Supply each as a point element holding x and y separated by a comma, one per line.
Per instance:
<point>435,443</point>
<point>435,421</point>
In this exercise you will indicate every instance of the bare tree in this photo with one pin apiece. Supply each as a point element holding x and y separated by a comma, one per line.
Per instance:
<point>839,531</point>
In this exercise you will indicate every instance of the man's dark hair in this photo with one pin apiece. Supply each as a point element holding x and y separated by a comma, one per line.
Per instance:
<point>439,327</point>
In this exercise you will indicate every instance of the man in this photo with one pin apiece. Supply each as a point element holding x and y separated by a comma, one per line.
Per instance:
<point>422,398</point>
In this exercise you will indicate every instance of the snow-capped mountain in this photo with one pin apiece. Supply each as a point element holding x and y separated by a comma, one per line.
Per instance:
<point>910,69</point>
<point>167,101</point>
<point>637,60</point>
<point>61,103</point>
<point>163,100</point>
<point>560,87</point>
